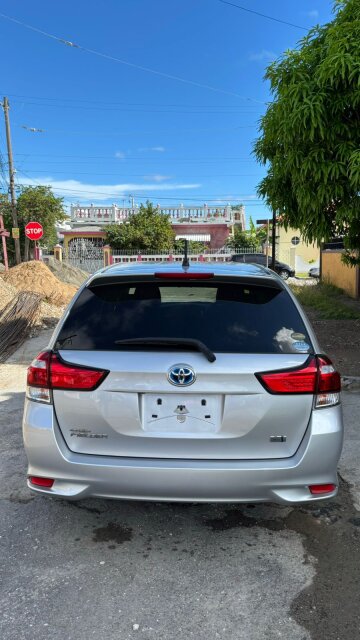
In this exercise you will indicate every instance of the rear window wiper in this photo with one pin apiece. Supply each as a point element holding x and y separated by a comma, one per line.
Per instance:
<point>60,343</point>
<point>171,342</point>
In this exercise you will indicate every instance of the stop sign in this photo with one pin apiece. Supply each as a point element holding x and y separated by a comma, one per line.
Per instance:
<point>34,231</point>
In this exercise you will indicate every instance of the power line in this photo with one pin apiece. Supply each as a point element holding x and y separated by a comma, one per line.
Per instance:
<point>130,133</point>
<point>130,104</point>
<point>263,15</point>
<point>192,162</point>
<point>131,110</point>
<point>51,155</point>
<point>141,175</point>
<point>106,196</point>
<point>159,108</point>
<point>125,62</point>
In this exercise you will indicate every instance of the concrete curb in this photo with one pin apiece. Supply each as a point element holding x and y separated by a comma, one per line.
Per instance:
<point>350,383</point>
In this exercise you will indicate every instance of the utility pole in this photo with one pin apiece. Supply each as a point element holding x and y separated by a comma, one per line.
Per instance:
<point>5,105</point>
<point>273,240</point>
<point>267,222</point>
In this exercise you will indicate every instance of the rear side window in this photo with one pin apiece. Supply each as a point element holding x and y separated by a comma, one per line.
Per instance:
<point>257,259</point>
<point>227,317</point>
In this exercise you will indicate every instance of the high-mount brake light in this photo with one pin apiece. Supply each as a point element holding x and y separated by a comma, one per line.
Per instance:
<point>48,372</point>
<point>318,377</point>
<point>184,275</point>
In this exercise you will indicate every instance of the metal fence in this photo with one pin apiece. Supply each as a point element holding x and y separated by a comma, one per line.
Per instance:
<point>90,258</point>
<point>211,255</point>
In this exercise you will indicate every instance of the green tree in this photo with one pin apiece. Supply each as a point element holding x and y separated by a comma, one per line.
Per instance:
<point>241,240</point>
<point>193,247</point>
<point>256,234</point>
<point>146,230</point>
<point>39,204</point>
<point>310,133</point>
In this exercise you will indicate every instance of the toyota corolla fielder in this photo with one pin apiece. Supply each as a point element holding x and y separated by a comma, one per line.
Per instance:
<point>198,384</point>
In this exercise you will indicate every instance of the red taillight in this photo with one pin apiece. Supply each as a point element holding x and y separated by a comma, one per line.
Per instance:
<point>48,371</point>
<point>319,489</point>
<point>71,376</point>
<point>318,376</point>
<point>291,381</point>
<point>46,483</point>
<point>38,372</point>
<point>329,378</point>
<point>184,275</point>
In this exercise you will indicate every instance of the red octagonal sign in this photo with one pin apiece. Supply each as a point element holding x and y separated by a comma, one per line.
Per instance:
<point>34,231</point>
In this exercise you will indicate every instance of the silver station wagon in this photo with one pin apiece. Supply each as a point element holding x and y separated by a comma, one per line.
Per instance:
<point>193,384</point>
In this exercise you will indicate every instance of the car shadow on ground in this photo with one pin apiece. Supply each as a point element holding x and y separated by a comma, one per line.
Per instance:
<point>164,533</point>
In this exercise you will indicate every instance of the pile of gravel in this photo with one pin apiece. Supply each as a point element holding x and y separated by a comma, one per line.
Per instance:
<point>66,272</point>
<point>36,277</point>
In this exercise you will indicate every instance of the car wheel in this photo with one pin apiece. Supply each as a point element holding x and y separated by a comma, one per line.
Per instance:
<point>284,274</point>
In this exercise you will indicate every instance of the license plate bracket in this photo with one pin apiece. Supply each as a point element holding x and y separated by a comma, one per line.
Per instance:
<point>185,414</point>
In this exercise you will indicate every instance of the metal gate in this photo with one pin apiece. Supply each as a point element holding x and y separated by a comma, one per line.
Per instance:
<point>85,253</point>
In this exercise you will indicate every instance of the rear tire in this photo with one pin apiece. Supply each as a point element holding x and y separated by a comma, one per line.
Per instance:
<point>284,274</point>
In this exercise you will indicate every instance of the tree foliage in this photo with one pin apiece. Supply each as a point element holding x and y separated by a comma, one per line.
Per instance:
<point>34,204</point>
<point>310,133</point>
<point>251,238</point>
<point>146,230</point>
<point>258,235</point>
<point>241,240</point>
<point>194,246</point>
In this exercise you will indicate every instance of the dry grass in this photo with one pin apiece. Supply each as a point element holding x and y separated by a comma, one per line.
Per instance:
<point>329,301</point>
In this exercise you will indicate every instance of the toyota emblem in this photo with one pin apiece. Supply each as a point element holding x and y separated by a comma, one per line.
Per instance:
<point>181,375</point>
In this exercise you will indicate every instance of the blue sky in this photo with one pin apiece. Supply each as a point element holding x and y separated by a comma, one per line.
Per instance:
<point>111,129</point>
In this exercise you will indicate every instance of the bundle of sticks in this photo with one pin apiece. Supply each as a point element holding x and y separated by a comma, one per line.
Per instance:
<point>16,321</point>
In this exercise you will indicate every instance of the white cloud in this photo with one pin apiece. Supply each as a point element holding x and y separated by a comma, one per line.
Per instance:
<point>76,189</point>
<point>263,55</point>
<point>231,196</point>
<point>158,149</point>
<point>120,154</point>
<point>313,13</point>
<point>157,177</point>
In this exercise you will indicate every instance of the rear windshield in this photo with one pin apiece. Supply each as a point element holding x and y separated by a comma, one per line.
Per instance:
<point>226,317</point>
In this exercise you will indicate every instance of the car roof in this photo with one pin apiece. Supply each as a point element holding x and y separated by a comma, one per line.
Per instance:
<point>217,268</point>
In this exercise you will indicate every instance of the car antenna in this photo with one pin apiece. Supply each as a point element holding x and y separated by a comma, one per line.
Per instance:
<point>185,262</point>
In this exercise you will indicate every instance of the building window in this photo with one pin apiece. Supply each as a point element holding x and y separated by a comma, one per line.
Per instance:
<point>295,240</point>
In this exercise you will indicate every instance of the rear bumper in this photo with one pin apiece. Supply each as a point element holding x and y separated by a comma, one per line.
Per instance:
<point>285,481</point>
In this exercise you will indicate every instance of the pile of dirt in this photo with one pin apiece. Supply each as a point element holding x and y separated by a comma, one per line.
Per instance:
<point>66,272</point>
<point>7,293</point>
<point>48,315</point>
<point>36,277</point>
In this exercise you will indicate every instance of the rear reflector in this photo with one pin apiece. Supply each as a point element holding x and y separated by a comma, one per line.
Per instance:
<point>319,489</point>
<point>49,371</point>
<point>317,376</point>
<point>46,483</point>
<point>183,275</point>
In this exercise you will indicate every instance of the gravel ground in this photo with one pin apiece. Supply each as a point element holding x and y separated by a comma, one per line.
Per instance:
<point>107,569</point>
<point>340,339</point>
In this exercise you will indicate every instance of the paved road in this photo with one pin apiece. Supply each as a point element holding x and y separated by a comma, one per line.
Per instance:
<point>119,570</point>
